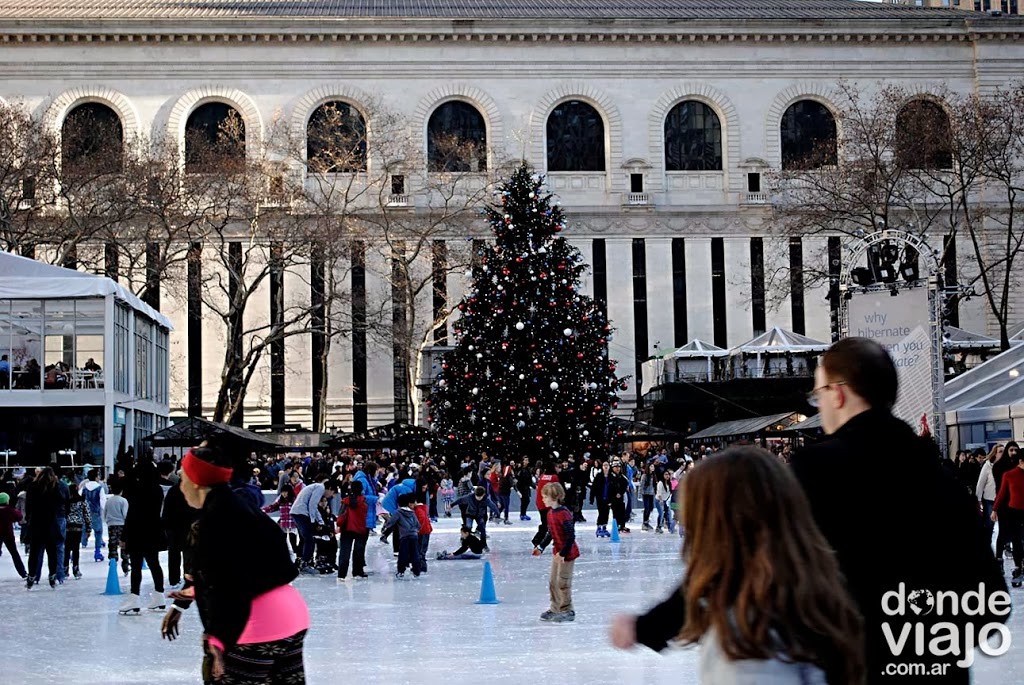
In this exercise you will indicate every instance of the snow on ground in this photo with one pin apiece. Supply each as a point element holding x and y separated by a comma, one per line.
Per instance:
<point>382,630</point>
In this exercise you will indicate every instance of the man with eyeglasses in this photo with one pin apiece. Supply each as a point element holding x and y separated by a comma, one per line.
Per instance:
<point>885,505</point>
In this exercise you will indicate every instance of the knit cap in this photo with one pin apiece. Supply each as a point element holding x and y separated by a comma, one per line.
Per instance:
<point>5,499</point>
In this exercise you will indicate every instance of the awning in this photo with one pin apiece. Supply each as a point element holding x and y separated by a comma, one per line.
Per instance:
<point>192,431</point>
<point>391,435</point>
<point>774,424</point>
<point>811,426</point>
<point>696,348</point>
<point>22,278</point>
<point>624,430</point>
<point>958,340</point>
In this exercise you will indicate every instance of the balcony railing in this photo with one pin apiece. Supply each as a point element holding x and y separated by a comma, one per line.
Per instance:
<point>400,201</point>
<point>756,199</point>
<point>638,199</point>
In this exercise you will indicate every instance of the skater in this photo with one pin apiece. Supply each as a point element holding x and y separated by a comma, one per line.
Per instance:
<point>524,484</point>
<point>580,481</point>
<point>599,495</point>
<point>45,502</point>
<point>143,535</point>
<point>254,621</point>
<point>477,506</point>
<point>114,513</point>
<point>447,492</point>
<point>423,542</point>
<point>8,517</point>
<point>77,519</point>
<point>95,495</point>
<point>464,487</point>
<point>177,519</point>
<point>367,476</point>
<point>806,627</point>
<point>549,475</point>
<point>354,533</point>
<point>283,505</point>
<point>470,547</point>
<point>506,482</point>
<point>663,497</point>
<point>390,502</point>
<point>617,488</point>
<point>565,551</point>
<point>306,512</point>
<point>404,525</point>
<point>1009,511</point>
<point>648,488</point>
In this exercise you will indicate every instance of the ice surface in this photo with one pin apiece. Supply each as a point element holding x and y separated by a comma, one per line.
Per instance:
<point>381,630</point>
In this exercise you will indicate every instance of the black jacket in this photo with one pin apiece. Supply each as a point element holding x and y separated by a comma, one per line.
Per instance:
<point>239,553</point>
<point>893,514</point>
<point>143,531</point>
<point>177,517</point>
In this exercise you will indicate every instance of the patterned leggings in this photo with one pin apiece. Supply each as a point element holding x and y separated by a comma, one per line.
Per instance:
<point>114,541</point>
<point>263,663</point>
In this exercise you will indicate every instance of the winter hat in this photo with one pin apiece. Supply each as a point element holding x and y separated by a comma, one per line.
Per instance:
<point>5,499</point>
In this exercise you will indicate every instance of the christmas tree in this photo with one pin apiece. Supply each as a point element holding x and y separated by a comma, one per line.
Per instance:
<point>530,373</point>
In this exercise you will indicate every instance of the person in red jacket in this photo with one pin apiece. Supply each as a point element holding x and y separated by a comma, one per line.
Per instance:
<point>549,476</point>
<point>423,516</point>
<point>1010,507</point>
<point>562,531</point>
<point>354,533</point>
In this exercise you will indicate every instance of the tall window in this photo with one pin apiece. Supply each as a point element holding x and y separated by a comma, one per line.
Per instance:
<point>575,138</point>
<point>457,138</point>
<point>92,141</point>
<point>693,138</point>
<point>214,139</point>
<point>808,134</point>
<point>336,139</point>
<point>923,136</point>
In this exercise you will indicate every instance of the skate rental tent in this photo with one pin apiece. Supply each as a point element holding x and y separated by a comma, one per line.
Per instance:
<point>83,361</point>
<point>985,405</point>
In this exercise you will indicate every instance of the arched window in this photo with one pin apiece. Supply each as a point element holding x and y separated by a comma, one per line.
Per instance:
<point>92,141</point>
<point>214,139</point>
<point>457,138</point>
<point>923,136</point>
<point>575,138</point>
<point>693,138</point>
<point>336,139</point>
<point>808,135</point>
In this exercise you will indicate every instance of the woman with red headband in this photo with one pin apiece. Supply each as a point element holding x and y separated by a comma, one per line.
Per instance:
<point>254,621</point>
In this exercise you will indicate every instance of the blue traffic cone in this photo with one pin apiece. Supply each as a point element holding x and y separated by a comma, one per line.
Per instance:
<point>615,531</point>
<point>488,595</point>
<point>113,586</point>
<point>144,567</point>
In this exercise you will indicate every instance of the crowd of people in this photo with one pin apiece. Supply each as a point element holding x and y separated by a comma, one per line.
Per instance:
<point>786,556</point>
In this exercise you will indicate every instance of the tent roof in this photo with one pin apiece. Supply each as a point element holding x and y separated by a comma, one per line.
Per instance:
<point>778,340</point>
<point>959,339</point>
<point>383,436</point>
<point>811,423</point>
<point>696,348</point>
<point>624,430</point>
<point>194,430</point>
<point>757,424</point>
<point>23,278</point>
<point>995,383</point>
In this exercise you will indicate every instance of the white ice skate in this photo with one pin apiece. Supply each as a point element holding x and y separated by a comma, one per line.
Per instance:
<point>132,605</point>
<point>157,601</point>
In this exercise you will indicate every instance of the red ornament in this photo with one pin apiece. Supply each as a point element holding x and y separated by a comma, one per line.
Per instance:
<point>505,271</point>
<point>539,438</point>
<point>579,355</point>
<point>512,407</point>
<point>533,400</point>
<point>469,407</point>
<point>451,436</point>
<point>570,411</point>
<point>497,438</point>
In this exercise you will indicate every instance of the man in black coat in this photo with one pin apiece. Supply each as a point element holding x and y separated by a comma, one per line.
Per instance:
<point>897,521</point>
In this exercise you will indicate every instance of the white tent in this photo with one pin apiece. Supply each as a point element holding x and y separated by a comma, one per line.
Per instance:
<point>686,362</point>
<point>24,278</point>
<point>782,352</point>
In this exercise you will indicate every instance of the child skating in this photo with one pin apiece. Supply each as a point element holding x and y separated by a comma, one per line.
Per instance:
<point>406,526</point>
<point>562,532</point>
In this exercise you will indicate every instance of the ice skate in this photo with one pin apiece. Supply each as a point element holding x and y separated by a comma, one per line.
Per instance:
<point>78,573</point>
<point>53,581</point>
<point>157,601</point>
<point>507,522</point>
<point>1018,577</point>
<point>659,530</point>
<point>525,518</point>
<point>132,605</point>
<point>98,556</point>
<point>125,567</point>
<point>598,532</point>
<point>29,582</point>
<point>399,576</point>
<point>564,617</point>
<point>548,615</point>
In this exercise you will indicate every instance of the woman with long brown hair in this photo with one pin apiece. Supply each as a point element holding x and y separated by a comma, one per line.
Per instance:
<point>763,592</point>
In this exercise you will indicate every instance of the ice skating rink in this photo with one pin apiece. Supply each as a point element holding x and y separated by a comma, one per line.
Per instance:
<point>382,630</point>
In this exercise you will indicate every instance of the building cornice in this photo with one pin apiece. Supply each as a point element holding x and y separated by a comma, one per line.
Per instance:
<point>223,31</point>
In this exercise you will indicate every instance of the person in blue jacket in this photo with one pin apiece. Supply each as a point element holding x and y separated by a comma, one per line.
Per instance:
<point>368,477</point>
<point>390,501</point>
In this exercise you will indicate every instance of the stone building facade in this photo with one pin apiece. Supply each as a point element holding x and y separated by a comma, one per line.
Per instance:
<point>673,252</point>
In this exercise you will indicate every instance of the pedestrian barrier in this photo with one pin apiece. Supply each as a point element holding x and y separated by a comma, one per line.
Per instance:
<point>113,585</point>
<point>615,531</point>
<point>488,595</point>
